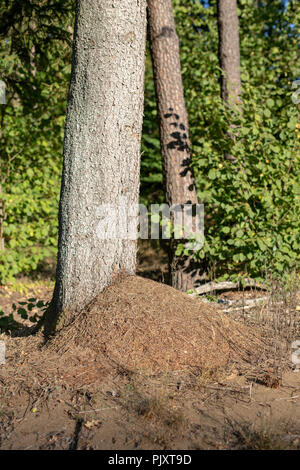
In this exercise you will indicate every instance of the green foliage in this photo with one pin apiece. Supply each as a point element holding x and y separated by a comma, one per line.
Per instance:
<point>35,55</point>
<point>252,206</point>
<point>151,166</point>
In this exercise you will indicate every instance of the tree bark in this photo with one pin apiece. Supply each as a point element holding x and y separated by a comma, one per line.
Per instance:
<point>2,215</point>
<point>229,58</point>
<point>229,51</point>
<point>179,181</point>
<point>101,161</point>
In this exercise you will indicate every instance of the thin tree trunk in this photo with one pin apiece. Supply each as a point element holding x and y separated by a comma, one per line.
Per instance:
<point>229,56</point>
<point>2,215</point>
<point>229,51</point>
<point>173,124</point>
<point>2,177</point>
<point>101,152</point>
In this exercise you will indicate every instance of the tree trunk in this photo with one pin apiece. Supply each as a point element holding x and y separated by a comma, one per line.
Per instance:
<point>2,177</point>
<point>101,162</point>
<point>229,51</point>
<point>229,58</point>
<point>2,215</point>
<point>179,182</point>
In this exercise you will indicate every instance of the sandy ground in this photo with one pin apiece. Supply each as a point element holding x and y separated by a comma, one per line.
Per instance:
<point>203,418</point>
<point>81,397</point>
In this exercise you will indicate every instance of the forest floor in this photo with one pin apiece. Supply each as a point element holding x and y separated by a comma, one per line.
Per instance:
<point>157,369</point>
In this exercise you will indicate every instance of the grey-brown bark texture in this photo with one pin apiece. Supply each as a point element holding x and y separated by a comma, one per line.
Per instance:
<point>173,124</point>
<point>229,51</point>
<point>1,221</point>
<point>101,150</point>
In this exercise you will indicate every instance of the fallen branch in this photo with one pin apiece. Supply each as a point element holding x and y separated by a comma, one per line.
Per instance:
<point>247,303</point>
<point>225,388</point>
<point>227,285</point>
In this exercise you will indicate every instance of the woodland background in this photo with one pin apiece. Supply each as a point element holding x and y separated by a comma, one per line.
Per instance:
<point>251,207</point>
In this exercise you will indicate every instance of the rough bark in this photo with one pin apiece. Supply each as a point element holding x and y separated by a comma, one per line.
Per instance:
<point>1,221</point>
<point>229,51</point>
<point>173,125</point>
<point>229,58</point>
<point>101,161</point>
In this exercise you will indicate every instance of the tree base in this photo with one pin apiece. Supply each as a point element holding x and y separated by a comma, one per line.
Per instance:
<point>184,272</point>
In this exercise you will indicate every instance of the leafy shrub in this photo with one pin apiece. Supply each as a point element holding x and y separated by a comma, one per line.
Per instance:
<point>252,206</point>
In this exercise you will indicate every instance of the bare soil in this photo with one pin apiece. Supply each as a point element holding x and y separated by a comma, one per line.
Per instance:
<point>148,367</point>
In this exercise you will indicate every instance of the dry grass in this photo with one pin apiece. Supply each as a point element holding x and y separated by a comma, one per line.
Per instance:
<point>248,436</point>
<point>152,343</point>
<point>277,317</point>
<point>136,325</point>
<point>142,325</point>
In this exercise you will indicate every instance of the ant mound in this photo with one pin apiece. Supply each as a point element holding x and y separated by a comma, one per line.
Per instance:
<point>139,325</point>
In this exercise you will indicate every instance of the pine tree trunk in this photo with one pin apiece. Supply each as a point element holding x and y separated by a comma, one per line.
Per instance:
<point>229,51</point>
<point>229,57</point>
<point>1,221</point>
<point>173,125</point>
<point>101,161</point>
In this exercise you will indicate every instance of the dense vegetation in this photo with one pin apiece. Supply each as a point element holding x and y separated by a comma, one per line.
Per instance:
<point>252,206</point>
